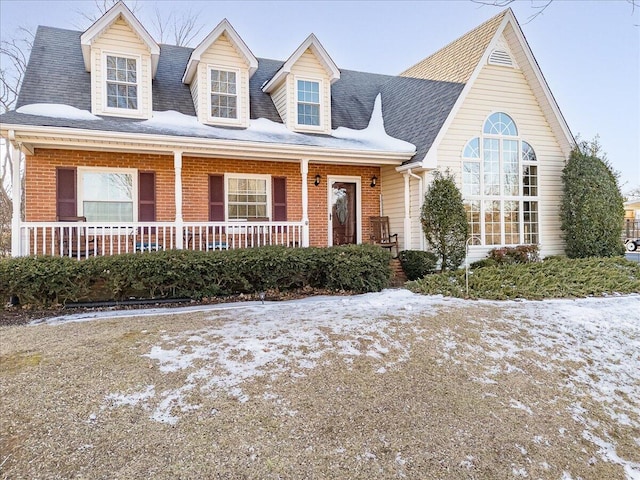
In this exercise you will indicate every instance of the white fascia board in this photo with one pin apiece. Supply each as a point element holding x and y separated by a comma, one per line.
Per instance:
<point>73,138</point>
<point>110,16</point>
<point>223,27</point>
<point>318,50</point>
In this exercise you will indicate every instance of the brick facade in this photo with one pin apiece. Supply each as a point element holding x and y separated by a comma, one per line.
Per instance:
<point>40,174</point>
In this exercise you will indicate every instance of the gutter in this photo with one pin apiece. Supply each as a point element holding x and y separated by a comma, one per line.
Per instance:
<point>153,143</point>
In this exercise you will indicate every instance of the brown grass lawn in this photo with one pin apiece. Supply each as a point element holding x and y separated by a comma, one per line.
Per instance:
<point>332,389</point>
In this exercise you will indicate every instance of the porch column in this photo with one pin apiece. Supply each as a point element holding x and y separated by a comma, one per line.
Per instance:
<point>177,166</point>
<point>407,211</point>
<point>16,194</point>
<point>304,171</point>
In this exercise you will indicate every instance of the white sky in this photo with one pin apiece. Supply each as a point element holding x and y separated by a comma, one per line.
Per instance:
<point>589,51</point>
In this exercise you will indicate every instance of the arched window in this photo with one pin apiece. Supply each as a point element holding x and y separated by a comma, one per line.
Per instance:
<point>500,124</point>
<point>500,185</point>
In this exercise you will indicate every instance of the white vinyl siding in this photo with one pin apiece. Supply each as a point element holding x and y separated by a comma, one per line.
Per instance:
<point>222,56</point>
<point>279,98</point>
<point>120,40</point>
<point>506,89</point>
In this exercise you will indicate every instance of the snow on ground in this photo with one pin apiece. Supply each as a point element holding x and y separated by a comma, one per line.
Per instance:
<point>598,337</point>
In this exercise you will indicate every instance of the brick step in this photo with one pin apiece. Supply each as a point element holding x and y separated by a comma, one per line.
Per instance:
<point>398,277</point>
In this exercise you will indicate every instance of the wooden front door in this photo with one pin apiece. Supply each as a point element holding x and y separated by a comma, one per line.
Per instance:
<point>343,216</point>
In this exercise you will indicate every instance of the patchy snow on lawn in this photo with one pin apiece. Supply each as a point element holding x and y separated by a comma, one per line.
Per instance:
<point>594,343</point>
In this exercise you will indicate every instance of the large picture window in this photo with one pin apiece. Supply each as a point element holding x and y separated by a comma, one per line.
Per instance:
<point>122,82</point>
<point>107,195</point>
<point>500,185</point>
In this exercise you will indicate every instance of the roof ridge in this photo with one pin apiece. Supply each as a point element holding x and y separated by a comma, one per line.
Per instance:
<point>435,66</point>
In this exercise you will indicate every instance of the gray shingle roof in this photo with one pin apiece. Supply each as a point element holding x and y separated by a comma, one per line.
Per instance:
<point>413,109</point>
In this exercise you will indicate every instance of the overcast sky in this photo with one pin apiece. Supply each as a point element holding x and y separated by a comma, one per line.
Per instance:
<point>589,51</point>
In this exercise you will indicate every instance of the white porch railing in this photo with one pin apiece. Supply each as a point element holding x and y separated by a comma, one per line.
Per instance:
<point>87,239</point>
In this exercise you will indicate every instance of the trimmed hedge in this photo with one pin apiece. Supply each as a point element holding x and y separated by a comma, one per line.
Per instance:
<point>41,281</point>
<point>556,278</point>
<point>416,263</point>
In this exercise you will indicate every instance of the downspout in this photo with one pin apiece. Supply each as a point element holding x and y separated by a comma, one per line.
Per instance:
<point>420,195</point>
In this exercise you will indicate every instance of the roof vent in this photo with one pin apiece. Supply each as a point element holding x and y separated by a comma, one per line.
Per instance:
<point>500,57</point>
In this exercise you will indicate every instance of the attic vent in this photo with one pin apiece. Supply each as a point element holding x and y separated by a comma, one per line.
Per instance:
<point>500,57</point>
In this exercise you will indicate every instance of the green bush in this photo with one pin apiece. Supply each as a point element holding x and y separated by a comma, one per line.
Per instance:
<point>444,221</point>
<point>417,263</point>
<point>592,206</point>
<point>558,278</point>
<point>45,281</point>
<point>519,254</point>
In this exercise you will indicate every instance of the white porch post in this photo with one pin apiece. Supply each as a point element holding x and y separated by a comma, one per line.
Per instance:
<point>177,166</point>
<point>407,211</point>
<point>16,196</point>
<point>304,171</point>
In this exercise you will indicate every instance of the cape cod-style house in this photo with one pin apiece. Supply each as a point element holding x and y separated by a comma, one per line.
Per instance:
<point>130,145</point>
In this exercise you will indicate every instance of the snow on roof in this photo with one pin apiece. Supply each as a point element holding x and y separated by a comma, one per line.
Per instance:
<point>171,122</point>
<point>56,110</point>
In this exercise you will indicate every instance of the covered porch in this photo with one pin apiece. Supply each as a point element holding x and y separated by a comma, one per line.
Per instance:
<point>184,169</point>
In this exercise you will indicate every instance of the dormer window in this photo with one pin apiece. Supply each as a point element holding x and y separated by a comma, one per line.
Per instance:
<point>122,82</point>
<point>308,102</point>
<point>224,94</point>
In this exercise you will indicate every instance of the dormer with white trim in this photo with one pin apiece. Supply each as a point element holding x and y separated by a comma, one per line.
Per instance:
<point>122,58</point>
<point>218,75</point>
<point>301,88</point>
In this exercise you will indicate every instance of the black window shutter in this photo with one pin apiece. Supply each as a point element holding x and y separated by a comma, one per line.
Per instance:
<point>279,193</point>
<point>216,198</point>
<point>66,198</point>
<point>147,196</point>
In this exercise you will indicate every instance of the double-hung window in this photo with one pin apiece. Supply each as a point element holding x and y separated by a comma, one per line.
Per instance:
<point>308,92</point>
<point>107,195</point>
<point>224,94</point>
<point>248,197</point>
<point>122,82</point>
<point>500,185</point>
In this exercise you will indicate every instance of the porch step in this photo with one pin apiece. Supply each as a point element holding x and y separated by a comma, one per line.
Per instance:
<point>398,277</point>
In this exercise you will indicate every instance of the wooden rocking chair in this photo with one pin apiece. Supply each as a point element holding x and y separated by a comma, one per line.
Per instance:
<point>380,234</point>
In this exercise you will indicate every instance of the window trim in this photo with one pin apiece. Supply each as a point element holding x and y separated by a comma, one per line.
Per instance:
<point>80,171</point>
<point>239,103</point>
<point>116,110</point>
<point>248,176</point>
<point>501,197</point>
<point>321,102</point>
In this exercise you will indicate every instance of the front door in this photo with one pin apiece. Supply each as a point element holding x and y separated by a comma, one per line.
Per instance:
<point>343,216</point>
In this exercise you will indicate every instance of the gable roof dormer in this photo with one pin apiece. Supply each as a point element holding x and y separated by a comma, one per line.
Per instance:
<point>223,28</point>
<point>301,88</point>
<point>218,73</point>
<point>311,43</point>
<point>95,31</point>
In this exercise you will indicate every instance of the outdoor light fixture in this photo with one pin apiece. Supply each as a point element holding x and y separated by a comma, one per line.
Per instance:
<point>374,181</point>
<point>317,182</point>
